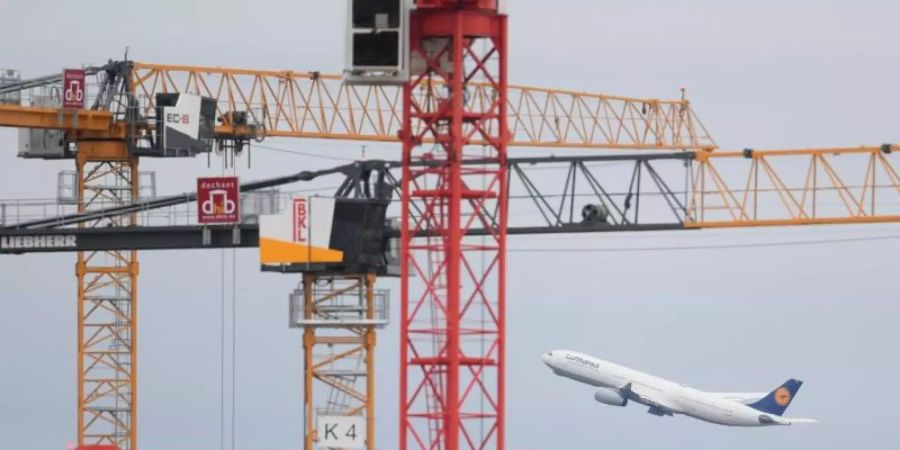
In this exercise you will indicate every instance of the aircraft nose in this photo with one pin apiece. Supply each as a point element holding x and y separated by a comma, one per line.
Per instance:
<point>547,358</point>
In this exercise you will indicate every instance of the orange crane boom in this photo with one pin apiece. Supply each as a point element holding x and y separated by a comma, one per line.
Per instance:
<point>309,104</point>
<point>316,105</point>
<point>795,187</point>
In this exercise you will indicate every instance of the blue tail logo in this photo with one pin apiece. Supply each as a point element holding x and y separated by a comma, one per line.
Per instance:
<point>778,400</point>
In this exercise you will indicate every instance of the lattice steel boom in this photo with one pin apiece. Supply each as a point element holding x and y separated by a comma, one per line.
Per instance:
<point>317,105</point>
<point>836,185</point>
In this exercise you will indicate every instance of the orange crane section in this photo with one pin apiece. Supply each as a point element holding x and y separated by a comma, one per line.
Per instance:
<point>794,187</point>
<point>80,120</point>
<point>317,105</point>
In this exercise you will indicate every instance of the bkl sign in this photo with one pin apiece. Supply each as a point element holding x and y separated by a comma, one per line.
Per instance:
<point>218,200</point>
<point>301,226</point>
<point>73,89</point>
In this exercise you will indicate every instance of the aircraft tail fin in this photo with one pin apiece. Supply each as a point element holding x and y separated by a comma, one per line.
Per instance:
<point>778,400</point>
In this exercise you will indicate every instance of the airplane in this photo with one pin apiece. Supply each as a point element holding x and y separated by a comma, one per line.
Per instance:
<point>617,385</point>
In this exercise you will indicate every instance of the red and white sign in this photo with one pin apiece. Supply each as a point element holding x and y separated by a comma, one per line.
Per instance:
<point>218,200</point>
<point>301,224</point>
<point>74,90</point>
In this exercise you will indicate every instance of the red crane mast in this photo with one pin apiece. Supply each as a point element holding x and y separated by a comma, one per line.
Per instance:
<point>453,320</point>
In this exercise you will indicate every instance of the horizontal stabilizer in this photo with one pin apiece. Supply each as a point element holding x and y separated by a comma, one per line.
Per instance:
<point>766,419</point>
<point>792,421</point>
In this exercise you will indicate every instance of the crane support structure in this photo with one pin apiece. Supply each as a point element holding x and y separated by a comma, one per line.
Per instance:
<point>339,316</point>
<point>452,355</point>
<point>317,105</point>
<point>106,177</point>
<point>107,303</point>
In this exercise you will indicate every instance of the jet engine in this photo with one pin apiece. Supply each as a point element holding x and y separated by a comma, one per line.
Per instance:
<point>610,397</point>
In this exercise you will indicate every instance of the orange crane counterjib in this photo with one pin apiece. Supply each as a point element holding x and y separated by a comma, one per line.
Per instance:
<point>316,105</point>
<point>55,118</point>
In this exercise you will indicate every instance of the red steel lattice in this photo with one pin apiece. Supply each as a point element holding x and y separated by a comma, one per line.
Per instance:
<point>453,286</point>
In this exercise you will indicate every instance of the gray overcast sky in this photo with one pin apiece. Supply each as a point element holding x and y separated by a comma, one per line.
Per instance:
<point>763,74</point>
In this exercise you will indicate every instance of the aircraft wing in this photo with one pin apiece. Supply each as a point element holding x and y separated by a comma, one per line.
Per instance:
<point>741,397</point>
<point>658,406</point>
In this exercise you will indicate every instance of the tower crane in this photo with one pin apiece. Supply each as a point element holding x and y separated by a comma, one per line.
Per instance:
<point>455,118</point>
<point>108,140</point>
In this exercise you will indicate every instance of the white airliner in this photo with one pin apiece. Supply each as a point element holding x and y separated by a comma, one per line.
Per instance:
<point>617,385</point>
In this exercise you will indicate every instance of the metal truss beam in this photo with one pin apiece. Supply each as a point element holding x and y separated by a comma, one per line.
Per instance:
<point>640,192</point>
<point>338,351</point>
<point>356,172</point>
<point>453,292</point>
<point>317,105</point>
<point>795,187</point>
<point>107,305</point>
